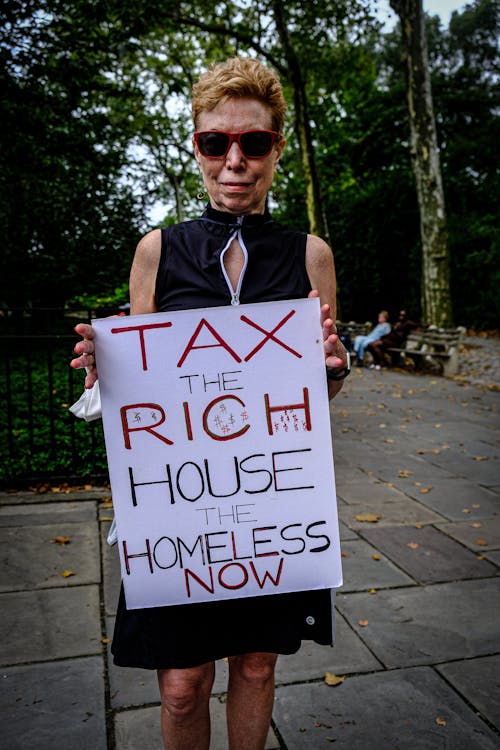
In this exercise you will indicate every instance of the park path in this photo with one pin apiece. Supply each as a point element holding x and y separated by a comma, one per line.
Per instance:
<point>418,617</point>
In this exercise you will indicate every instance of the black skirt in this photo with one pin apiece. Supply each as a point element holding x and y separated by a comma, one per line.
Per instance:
<point>188,635</point>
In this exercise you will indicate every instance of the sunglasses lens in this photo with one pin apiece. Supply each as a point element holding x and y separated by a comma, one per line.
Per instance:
<point>213,144</point>
<point>256,143</point>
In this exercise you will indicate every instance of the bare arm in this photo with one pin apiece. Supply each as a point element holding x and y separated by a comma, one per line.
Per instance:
<point>143,274</point>
<point>321,271</point>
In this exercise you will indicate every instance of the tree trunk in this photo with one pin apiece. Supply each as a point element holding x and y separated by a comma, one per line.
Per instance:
<point>435,291</point>
<point>317,223</point>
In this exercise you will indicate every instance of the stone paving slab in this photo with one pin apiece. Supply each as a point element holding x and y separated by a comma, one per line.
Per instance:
<point>477,538</point>
<point>110,571</point>
<point>46,513</point>
<point>49,624</point>
<point>408,627</point>
<point>362,571</point>
<point>32,561</point>
<point>478,680</point>
<point>346,534</point>
<point>458,498</point>
<point>366,490</point>
<point>28,497</point>
<point>394,513</point>
<point>141,728</point>
<point>349,655</point>
<point>427,554</point>
<point>493,556</point>
<point>482,472</point>
<point>54,705</point>
<point>384,711</point>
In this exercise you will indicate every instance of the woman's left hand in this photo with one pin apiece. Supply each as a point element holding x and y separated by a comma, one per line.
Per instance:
<point>335,354</point>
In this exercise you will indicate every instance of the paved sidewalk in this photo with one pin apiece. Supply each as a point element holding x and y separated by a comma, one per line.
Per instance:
<point>418,618</point>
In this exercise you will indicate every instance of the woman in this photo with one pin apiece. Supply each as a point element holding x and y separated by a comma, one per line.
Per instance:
<point>234,253</point>
<point>394,339</point>
<point>361,342</point>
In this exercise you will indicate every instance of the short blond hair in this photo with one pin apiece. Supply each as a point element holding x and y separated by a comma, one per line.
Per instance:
<point>240,77</point>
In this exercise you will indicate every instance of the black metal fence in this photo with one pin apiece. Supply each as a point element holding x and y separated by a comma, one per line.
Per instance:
<point>39,438</point>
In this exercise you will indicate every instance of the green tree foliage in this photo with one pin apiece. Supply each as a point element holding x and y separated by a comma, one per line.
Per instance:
<point>97,129</point>
<point>68,219</point>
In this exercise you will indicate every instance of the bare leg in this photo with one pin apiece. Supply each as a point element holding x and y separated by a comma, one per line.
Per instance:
<point>185,716</point>
<point>250,699</point>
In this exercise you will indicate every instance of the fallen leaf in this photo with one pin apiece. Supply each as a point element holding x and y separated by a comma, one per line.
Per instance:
<point>465,510</point>
<point>481,542</point>
<point>404,473</point>
<point>437,451</point>
<point>425,490</point>
<point>388,440</point>
<point>475,506</point>
<point>440,721</point>
<point>413,545</point>
<point>105,518</point>
<point>480,557</point>
<point>367,517</point>
<point>476,525</point>
<point>363,623</point>
<point>418,525</point>
<point>480,458</point>
<point>437,426</point>
<point>332,679</point>
<point>60,540</point>
<point>376,557</point>
<point>109,504</point>
<point>105,640</point>
<point>68,573</point>
<point>344,554</point>
<point>372,591</point>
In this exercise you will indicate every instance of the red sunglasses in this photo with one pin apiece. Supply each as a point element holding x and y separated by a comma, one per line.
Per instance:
<point>255,144</point>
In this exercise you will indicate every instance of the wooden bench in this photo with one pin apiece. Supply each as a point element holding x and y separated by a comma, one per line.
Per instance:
<point>353,329</point>
<point>431,349</point>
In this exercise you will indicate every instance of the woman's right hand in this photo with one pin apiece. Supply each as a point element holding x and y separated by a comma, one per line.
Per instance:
<point>85,350</point>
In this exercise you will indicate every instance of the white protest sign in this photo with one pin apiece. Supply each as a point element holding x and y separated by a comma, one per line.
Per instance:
<point>220,455</point>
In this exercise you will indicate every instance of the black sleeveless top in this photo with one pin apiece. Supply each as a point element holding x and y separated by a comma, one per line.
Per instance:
<point>191,275</point>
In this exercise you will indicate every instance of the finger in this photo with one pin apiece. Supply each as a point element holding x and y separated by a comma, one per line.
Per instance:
<point>85,330</point>
<point>335,362</point>
<point>91,377</point>
<point>86,359</point>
